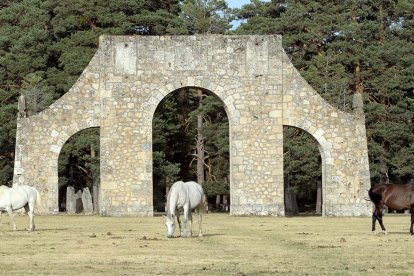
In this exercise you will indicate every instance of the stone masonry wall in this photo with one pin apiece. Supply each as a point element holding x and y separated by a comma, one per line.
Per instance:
<point>261,90</point>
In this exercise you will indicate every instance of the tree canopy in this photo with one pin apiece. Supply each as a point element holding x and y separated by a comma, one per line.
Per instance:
<point>347,47</point>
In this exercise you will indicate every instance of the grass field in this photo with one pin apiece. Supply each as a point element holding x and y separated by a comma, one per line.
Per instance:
<point>91,245</point>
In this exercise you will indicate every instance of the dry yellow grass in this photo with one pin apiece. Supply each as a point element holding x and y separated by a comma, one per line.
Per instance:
<point>88,245</point>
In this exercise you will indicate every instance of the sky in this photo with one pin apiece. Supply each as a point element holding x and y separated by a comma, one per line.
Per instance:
<point>238,4</point>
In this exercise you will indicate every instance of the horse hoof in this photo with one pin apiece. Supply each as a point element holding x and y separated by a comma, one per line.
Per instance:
<point>384,232</point>
<point>373,233</point>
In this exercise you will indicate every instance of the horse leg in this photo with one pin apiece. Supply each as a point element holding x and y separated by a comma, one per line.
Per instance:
<point>379,217</point>
<point>29,210</point>
<point>190,220</point>
<point>10,212</point>
<point>177,214</point>
<point>200,234</point>
<point>374,220</point>
<point>186,208</point>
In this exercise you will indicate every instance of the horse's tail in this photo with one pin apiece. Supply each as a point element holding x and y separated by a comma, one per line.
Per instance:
<point>375,197</point>
<point>38,201</point>
<point>205,203</point>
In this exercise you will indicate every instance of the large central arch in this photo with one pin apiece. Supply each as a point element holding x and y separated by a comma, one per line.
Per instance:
<point>261,90</point>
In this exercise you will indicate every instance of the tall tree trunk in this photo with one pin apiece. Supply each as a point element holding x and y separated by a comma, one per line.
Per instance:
<point>200,143</point>
<point>218,201</point>
<point>319,198</point>
<point>359,84</point>
<point>95,195</point>
<point>381,23</point>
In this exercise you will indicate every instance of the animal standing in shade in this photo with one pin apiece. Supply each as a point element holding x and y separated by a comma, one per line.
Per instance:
<point>394,196</point>
<point>12,199</point>
<point>186,196</point>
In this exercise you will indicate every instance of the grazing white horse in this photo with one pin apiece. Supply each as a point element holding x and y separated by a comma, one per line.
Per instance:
<point>187,196</point>
<point>12,199</point>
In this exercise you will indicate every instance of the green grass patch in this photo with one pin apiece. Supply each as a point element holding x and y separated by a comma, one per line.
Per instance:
<point>92,245</point>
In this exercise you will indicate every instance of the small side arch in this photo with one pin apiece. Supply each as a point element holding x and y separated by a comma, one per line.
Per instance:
<point>78,157</point>
<point>324,147</point>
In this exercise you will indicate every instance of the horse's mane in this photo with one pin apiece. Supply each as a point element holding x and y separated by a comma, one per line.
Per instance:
<point>168,213</point>
<point>167,204</point>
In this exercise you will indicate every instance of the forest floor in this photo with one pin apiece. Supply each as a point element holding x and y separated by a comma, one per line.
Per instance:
<point>91,245</point>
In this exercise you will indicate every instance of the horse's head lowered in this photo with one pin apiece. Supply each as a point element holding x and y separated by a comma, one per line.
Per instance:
<point>170,224</point>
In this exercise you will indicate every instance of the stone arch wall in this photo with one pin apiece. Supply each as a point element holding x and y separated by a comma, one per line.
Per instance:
<point>342,141</point>
<point>40,138</point>
<point>129,76</point>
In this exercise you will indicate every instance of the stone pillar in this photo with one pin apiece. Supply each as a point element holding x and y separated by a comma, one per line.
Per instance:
<point>70,200</point>
<point>257,167</point>
<point>290,202</point>
<point>87,201</point>
<point>358,104</point>
<point>21,106</point>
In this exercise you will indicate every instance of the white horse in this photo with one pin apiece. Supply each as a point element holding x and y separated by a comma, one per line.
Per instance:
<point>12,199</point>
<point>187,196</point>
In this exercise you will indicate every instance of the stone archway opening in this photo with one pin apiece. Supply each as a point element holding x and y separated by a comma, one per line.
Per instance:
<point>191,142</point>
<point>302,173</point>
<point>79,173</point>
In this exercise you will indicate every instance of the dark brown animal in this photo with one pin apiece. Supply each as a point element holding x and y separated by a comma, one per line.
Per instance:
<point>394,196</point>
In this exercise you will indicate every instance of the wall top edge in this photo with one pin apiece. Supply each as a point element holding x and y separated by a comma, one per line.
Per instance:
<point>184,38</point>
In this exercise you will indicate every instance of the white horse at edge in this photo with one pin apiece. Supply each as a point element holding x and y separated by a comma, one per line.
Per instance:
<point>12,199</point>
<point>187,196</point>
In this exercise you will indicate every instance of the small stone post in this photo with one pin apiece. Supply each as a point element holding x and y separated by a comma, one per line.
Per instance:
<point>358,104</point>
<point>87,201</point>
<point>291,205</point>
<point>21,106</point>
<point>70,200</point>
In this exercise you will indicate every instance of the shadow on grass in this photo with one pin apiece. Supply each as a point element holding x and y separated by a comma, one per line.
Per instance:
<point>51,229</point>
<point>196,236</point>
<point>399,233</point>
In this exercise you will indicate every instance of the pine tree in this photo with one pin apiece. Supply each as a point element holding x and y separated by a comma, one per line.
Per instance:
<point>45,45</point>
<point>349,47</point>
<point>206,16</point>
